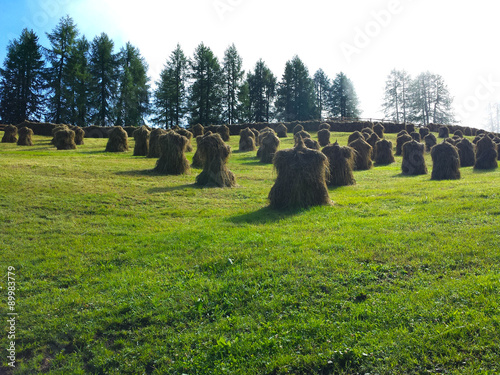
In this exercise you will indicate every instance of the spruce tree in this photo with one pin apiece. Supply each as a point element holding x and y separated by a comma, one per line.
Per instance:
<point>322,88</point>
<point>343,99</point>
<point>262,91</point>
<point>233,76</point>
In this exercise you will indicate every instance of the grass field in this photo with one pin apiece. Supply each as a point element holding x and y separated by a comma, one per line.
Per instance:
<point>120,271</point>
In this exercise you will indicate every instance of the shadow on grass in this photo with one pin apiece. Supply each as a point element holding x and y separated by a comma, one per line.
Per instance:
<point>173,188</point>
<point>143,172</point>
<point>263,216</point>
<point>483,171</point>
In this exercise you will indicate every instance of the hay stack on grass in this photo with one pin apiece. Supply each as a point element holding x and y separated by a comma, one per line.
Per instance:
<point>445,162</point>
<point>311,143</point>
<point>79,135</point>
<point>423,132</point>
<point>197,130</point>
<point>172,160</point>
<point>477,138</point>
<point>443,132</point>
<point>256,134</point>
<point>400,141</point>
<point>64,139</point>
<point>297,128</point>
<point>118,140</point>
<point>141,136</point>
<point>301,134</point>
<point>451,141</point>
<point>247,140</point>
<point>373,139</point>
<point>55,130</point>
<point>215,154</point>
<point>363,154</point>
<point>402,132</point>
<point>466,153</point>
<point>262,134</point>
<point>10,134</point>
<point>301,178</point>
<point>25,137</point>
<point>458,133</point>
<point>281,131</point>
<point>486,154</point>
<point>415,136</point>
<point>324,125</point>
<point>154,144</point>
<point>268,146</point>
<point>354,136</point>
<point>186,133</point>
<point>410,128</point>
<point>430,141</point>
<point>383,152</point>
<point>379,129</point>
<point>341,165</point>
<point>198,160</point>
<point>413,159</point>
<point>224,133</point>
<point>324,137</point>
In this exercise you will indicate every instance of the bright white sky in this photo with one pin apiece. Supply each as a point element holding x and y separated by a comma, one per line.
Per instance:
<point>456,39</point>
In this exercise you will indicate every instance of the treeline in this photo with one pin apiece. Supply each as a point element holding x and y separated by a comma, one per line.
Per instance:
<point>81,82</point>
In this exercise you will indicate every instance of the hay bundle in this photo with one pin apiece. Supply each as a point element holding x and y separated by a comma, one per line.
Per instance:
<point>324,125</point>
<point>301,134</point>
<point>413,159</point>
<point>451,141</point>
<point>281,130</point>
<point>154,144</point>
<point>486,154</point>
<point>197,130</point>
<point>141,137</point>
<point>79,135</point>
<point>301,178</point>
<point>324,137</point>
<point>466,153</point>
<point>369,131</point>
<point>186,133</point>
<point>311,143</point>
<point>268,147</point>
<point>423,132</point>
<point>198,160</point>
<point>410,128</point>
<point>262,134</point>
<point>468,131</point>
<point>341,165</point>
<point>224,133</point>
<point>215,154</point>
<point>458,133</point>
<point>383,152</point>
<point>445,162</point>
<point>297,128</point>
<point>56,129</point>
<point>10,134</point>
<point>477,138</point>
<point>430,141</point>
<point>25,137</point>
<point>379,129</point>
<point>363,154</point>
<point>373,139</point>
<point>354,136</point>
<point>400,141</point>
<point>415,136</point>
<point>247,140</point>
<point>118,140</point>
<point>443,132</point>
<point>64,139</point>
<point>402,132</point>
<point>256,134</point>
<point>172,160</point>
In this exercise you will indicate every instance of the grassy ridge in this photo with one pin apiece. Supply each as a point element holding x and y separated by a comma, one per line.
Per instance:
<point>123,271</point>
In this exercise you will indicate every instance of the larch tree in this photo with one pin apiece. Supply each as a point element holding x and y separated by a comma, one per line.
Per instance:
<point>232,73</point>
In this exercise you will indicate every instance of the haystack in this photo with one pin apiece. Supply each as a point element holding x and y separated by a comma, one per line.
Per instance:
<point>297,128</point>
<point>154,144</point>
<point>400,141</point>
<point>486,154</point>
<point>198,160</point>
<point>354,136</point>
<point>423,132</point>
<point>445,162</point>
<point>363,154</point>
<point>379,129</point>
<point>369,131</point>
<point>262,134</point>
<point>324,125</point>
<point>430,141</point>
<point>141,136</point>
<point>268,146</point>
<point>415,136</point>
<point>56,129</point>
<point>341,165</point>
<point>451,141</point>
<point>477,138</point>
<point>79,135</point>
<point>311,143</point>
<point>172,160</point>
<point>458,133</point>
<point>281,131</point>
<point>373,139</point>
<point>118,140</point>
<point>224,133</point>
<point>197,130</point>
<point>256,134</point>
<point>64,139</point>
<point>247,140</point>
<point>410,128</point>
<point>402,132</point>
<point>466,152</point>
<point>186,133</point>
<point>443,132</point>
<point>324,137</point>
<point>215,154</point>
<point>10,134</point>
<point>301,134</point>
<point>25,137</point>
<point>413,159</point>
<point>301,178</point>
<point>383,152</point>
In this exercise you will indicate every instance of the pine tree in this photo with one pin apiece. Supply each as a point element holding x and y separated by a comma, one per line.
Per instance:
<point>233,77</point>
<point>343,99</point>
<point>80,82</point>
<point>322,88</point>
<point>397,96</point>
<point>22,80</point>
<point>262,91</point>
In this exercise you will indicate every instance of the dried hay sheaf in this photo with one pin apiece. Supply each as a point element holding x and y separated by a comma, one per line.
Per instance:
<point>197,130</point>
<point>154,143</point>
<point>355,135</point>
<point>466,152</point>
<point>186,133</point>
<point>172,160</point>
<point>247,140</point>
<point>297,128</point>
<point>379,129</point>
<point>79,135</point>
<point>415,136</point>
<point>301,134</point>
<point>269,144</point>
<point>443,132</point>
<point>413,163</point>
<point>383,152</point>
<point>363,154</point>
<point>301,178</point>
<point>373,139</point>
<point>430,141</point>
<point>224,132</point>
<point>311,143</point>
<point>458,133</point>
<point>410,128</point>
<point>10,134</point>
<point>64,139</point>
<point>402,132</point>
<point>324,137</point>
<point>215,154</point>
<point>25,137</point>
<point>445,162</point>
<point>281,130</point>
<point>141,136</point>
<point>198,160</point>
<point>118,140</point>
<point>256,134</point>
<point>486,154</point>
<point>324,125</point>
<point>400,141</point>
<point>423,132</point>
<point>341,165</point>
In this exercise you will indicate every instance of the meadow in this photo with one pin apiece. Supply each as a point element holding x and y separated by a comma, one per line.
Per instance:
<point>121,271</point>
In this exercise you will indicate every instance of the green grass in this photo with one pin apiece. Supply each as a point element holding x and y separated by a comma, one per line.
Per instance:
<point>120,271</point>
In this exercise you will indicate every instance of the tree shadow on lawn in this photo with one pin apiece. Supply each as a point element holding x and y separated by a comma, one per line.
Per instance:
<point>173,188</point>
<point>142,172</point>
<point>264,215</point>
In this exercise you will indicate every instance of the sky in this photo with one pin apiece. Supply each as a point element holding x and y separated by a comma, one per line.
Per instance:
<point>365,39</point>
